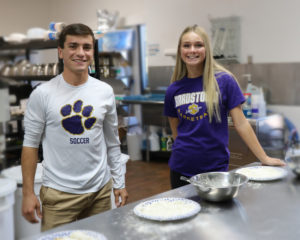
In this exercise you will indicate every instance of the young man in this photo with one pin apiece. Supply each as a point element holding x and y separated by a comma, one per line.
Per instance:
<point>74,115</point>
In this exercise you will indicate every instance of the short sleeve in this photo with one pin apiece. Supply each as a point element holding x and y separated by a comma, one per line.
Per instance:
<point>169,105</point>
<point>234,94</point>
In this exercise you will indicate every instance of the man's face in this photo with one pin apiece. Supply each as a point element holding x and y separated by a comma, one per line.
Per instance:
<point>77,53</point>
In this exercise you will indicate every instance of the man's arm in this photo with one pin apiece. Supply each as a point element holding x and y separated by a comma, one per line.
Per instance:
<point>110,129</point>
<point>30,203</point>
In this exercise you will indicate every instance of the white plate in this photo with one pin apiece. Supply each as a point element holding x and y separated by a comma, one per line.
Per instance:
<point>53,236</point>
<point>167,209</point>
<point>263,173</point>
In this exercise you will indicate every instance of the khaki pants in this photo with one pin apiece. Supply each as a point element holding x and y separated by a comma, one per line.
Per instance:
<point>60,207</point>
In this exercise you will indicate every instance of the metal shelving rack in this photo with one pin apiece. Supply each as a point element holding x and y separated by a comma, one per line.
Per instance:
<point>226,39</point>
<point>15,49</point>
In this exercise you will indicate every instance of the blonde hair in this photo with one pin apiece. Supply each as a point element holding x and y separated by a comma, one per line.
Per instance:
<point>210,85</point>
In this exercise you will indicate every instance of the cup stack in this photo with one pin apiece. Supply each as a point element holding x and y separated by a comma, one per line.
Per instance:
<point>54,29</point>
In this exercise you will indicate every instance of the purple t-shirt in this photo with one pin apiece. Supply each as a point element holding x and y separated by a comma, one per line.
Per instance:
<point>200,146</point>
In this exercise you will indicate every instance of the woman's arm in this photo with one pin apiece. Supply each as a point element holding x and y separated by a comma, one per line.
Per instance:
<point>173,124</point>
<point>246,132</point>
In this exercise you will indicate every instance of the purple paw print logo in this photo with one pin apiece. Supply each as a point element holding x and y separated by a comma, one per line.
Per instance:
<point>80,120</point>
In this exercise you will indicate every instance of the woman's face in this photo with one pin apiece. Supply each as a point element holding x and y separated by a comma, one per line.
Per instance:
<point>192,50</point>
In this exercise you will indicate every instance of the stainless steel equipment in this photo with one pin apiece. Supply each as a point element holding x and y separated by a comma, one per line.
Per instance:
<point>4,117</point>
<point>218,186</point>
<point>271,133</point>
<point>293,163</point>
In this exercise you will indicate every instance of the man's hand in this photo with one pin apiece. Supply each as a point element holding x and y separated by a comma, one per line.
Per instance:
<point>31,208</point>
<point>120,193</point>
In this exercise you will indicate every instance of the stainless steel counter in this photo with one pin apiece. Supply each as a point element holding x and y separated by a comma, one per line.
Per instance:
<point>262,210</point>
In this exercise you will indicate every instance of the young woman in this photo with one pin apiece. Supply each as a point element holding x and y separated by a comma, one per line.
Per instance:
<point>201,95</point>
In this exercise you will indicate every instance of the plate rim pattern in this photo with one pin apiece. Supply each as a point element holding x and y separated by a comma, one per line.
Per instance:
<point>196,205</point>
<point>64,233</point>
<point>282,173</point>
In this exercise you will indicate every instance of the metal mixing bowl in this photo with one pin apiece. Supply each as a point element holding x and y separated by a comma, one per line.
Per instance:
<point>293,163</point>
<point>218,186</point>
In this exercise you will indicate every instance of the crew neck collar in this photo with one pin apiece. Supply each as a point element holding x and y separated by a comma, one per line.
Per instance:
<point>73,86</point>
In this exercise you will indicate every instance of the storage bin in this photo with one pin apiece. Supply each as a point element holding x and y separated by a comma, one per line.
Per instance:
<point>134,144</point>
<point>22,227</point>
<point>7,200</point>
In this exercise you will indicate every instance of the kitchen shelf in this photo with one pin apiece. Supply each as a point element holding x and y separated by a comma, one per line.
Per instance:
<point>13,148</point>
<point>32,44</point>
<point>16,117</point>
<point>32,78</point>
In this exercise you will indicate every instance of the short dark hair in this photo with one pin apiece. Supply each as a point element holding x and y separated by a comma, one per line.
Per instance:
<point>77,29</point>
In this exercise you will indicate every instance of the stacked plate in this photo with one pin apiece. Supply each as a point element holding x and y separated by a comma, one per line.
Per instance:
<point>167,209</point>
<point>263,173</point>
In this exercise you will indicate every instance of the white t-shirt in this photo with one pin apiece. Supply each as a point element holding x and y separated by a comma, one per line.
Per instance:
<point>78,127</point>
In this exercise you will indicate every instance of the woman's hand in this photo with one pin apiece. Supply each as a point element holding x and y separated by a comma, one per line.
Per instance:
<point>272,161</point>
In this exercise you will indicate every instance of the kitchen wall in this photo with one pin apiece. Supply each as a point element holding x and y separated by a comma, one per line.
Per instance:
<point>18,16</point>
<point>269,31</point>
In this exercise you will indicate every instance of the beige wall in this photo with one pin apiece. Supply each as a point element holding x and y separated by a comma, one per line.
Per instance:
<point>19,15</point>
<point>131,11</point>
<point>269,27</point>
<point>270,31</point>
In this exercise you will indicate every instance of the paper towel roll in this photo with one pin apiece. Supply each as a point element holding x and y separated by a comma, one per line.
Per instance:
<point>134,141</point>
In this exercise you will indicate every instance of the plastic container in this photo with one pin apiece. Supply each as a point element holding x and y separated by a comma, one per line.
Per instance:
<point>50,35</point>
<point>169,144</point>
<point>256,97</point>
<point>154,140</point>
<point>255,106</point>
<point>56,26</point>
<point>134,144</point>
<point>247,106</point>
<point>23,228</point>
<point>262,106</point>
<point>250,87</point>
<point>163,140</point>
<point>7,200</point>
